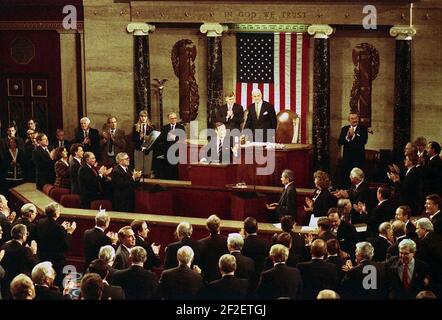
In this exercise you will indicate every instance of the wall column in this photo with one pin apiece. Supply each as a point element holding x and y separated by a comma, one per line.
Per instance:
<point>402,89</point>
<point>321,97</point>
<point>214,69</point>
<point>141,66</point>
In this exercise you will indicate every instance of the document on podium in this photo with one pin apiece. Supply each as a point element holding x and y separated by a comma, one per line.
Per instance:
<point>150,140</point>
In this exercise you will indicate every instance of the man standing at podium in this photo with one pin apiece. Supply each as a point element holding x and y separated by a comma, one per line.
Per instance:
<point>287,202</point>
<point>261,116</point>
<point>231,113</point>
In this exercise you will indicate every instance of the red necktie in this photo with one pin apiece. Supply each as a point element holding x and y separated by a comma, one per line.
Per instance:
<point>405,280</point>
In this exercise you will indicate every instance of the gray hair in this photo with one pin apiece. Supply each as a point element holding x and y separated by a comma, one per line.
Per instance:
<point>138,254</point>
<point>88,121</point>
<point>365,249</point>
<point>27,208</point>
<point>120,156</point>
<point>3,199</point>
<point>357,173</point>
<point>384,227</point>
<point>279,253</point>
<point>235,241</point>
<point>399,228</point>
<point>288,174</point>
<point>42,271</point>
<point>107,253</point>
<point>184,229</point>
<point>328,294</point>
<point>425,223</point>
<point>184,255</point>
<point>101,218</point>
<point>227,263</point>
<point>408,243</point>
<point>256,91</point>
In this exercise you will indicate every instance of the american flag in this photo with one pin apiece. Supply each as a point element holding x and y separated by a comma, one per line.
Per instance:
<point>277,64</point>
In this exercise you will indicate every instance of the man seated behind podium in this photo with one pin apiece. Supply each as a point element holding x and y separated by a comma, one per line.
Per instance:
<point>220,147</point>
<point>287,202</point>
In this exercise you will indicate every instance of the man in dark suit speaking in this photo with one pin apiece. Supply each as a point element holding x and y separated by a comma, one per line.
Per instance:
<point>261,115</point>
<point>287,202</point>
<point>353,137</point>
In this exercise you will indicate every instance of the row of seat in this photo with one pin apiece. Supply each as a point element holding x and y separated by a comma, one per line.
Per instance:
<point>69,200</point>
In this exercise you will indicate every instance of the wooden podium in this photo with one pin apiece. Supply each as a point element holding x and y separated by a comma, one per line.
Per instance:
<point>212,174</point>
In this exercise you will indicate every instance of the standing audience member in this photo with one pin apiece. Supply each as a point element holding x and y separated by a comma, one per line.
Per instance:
<point>124,182</point>
<point>245,266</point>
<point>62,179</point>
<point>28,215</point>
<point>44,163</point>
<point>88,137</point>
<point>322,199</point>
<point>110,292</point>
<point>22,288</point>
<point>43,276</point>
<point>433,170</point>
<point>91,287</point>
<point>112,142</point>
<point>141,231</point>
<point>75,163</point>
<point>126,237</point>
<point>140,136</point>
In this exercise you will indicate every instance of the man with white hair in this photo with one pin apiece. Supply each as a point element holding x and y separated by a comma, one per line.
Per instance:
<point>261,116</point>
<point>88,137</point>
<point>245,266</point>
<point>407,276</point>
<point>43,276</point>
<point>183,233</point>
<point>107,254</point>
<point>359,192</point>
<point>182,282</point>
<point>28,214</point>
<point>366,280</point>
<point>382,242</point>
<point>328,294</point>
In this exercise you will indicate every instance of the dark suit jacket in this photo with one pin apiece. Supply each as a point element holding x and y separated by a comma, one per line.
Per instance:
<point>323,202</point>
<point>352,284</point>
<point>280,282</point>
<point>44,167</point>
<point>93,145</point>
<point>211,150</point>
<point>212,248</point>
<point>93,240</point>
<point>30,226</point>
<point>62,175</point>
<point>73,176</point>
<point>433,176</point>
<point>163,144</point>
<point>429,250</point>
<point>287,202</point>
<point>347,236</point>
<point>361,193</point>
<point>437,222</point>
<point>354,150</point>
<point>235,122</point>
<point>416,284</point>
<point>317,275</point>
<point>121,258</point>
<point>118,142</point>
<point>66,144</point>
<point>226,288</point>
<point>136,136</point>
<point>113,292</point>
<point>267,120</point>
<point>381,213</point>
<point>245,266</point>
<point>17,259</point>
<point>411,230</point>
<point>152,259</point>
<point>123,190</point>
<point>53,241</point>
<point>393,250</point>
<point>180,283</point>
<point>170,260</point>
<point>410,190</point>
<point>137,283</point>
<point>45,293</point>
<point>89,184</point>
<point>257,248</point>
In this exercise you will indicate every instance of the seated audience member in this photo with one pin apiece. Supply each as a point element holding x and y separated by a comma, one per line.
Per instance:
<point>183,232</point>
<point>44,164</point>
<point>229,287</point>
<point>322,199</point>
<point>28,215</point>
<point>54,239</point>
<point>75,163</point>
<point>110,292</point>
<point>328,294</point>
<point>95,238</point>
<point>382,242</point>
<point>124,182</point>
<point>107,254</point>
<point>91,287</point>
<point>137,283</point>
<point>182,282</point>
<point>212,248</point>
<point>317,274</point>
<point>245,266</point>
<point>17,257</point>
<point>282,281</point>
<point>126,237</point>
<point>407,276</point>
<point>62,179</point>
<point>22,288</point>
<point>141,231</point>
<point>287,202</point>
<point>433,205</point>
<point>43,276</point>
<point>324,226</point>
<point>399,234</point>
<point>352,286</point>
<point>433,170</point>
<point>426,295</point>
<point>344,231</point>
<point>403,213</point>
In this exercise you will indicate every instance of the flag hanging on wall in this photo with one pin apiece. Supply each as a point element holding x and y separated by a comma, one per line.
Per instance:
<point>277,64</point>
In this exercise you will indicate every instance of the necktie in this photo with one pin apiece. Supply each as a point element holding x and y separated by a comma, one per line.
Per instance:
<point>405,280</point>
<point>220,147</point>
<point>173,127</point>
<point>111,145</point>
<point>85,133</point>
<point>144,128</point>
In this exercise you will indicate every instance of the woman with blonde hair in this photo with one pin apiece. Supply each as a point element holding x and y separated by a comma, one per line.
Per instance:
<point>142,130</point>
